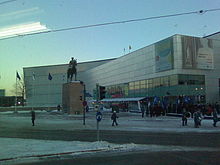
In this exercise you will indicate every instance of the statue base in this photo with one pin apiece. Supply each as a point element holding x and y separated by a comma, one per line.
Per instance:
<point>72,97</point>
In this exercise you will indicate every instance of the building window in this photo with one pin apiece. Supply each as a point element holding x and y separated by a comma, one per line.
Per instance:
<point>191,79</point>
<point>182,79</point>
<point>131,86</point>
<point>142,84</point>
<point>173,80</point>
<point>165,81</point>
<point>156,82</point>
<point>150,83</point>
<point>137,85</point>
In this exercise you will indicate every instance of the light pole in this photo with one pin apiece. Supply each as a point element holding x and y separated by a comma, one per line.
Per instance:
<point>84,104</point>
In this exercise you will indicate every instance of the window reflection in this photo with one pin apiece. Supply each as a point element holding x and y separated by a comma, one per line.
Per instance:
<point>154,85</point>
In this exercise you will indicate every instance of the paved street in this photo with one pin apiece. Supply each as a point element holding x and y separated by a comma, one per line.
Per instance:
<point>183,139</point>
<point>140,158</point>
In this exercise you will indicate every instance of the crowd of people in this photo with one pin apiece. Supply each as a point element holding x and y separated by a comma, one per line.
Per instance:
<point>195,111</point>
<point>159,109</point>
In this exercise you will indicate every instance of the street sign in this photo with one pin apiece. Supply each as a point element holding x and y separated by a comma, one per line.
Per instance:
<point>98,116</point>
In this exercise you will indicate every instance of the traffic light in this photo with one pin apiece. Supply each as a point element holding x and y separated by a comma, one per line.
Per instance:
<point>101,92</point>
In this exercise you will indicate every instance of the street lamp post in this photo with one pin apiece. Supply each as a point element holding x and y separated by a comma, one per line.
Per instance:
<point>84,104</point>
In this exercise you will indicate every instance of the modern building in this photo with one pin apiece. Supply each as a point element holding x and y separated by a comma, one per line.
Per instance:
<point>176,67</point>
<point>43,92</point>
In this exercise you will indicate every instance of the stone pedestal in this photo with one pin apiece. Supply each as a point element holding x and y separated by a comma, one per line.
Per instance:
<point>72,97</point>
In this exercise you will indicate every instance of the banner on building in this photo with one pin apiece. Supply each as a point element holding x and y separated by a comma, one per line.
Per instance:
<point>164,55</point>
<point>197,53</point>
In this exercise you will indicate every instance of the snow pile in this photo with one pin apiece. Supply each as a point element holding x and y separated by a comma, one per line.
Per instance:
<point>19,148</point>
<point>6,112</point>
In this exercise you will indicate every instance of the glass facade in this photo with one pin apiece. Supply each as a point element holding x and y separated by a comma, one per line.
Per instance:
<point>174,85</point>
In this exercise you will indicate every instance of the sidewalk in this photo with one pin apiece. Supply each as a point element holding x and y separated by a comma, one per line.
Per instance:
<point>127,121</point>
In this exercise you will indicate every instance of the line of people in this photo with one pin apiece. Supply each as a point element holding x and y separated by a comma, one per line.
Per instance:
<point>197,112</point>
<point>197,116</point>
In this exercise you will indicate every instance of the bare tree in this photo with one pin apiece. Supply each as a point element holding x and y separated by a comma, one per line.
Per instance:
<point>20,89</point>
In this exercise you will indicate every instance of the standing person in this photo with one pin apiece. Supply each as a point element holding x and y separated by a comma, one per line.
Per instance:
<point>142,111</point>
<point>147,110</point>
<point>184,117</point>
<point>200,117</point>
<point>197,118</point>
<point>217,107</point>
<point>209,110</point>
<point>215,117</point>
<point>114,118</point>
<point>87,108</point>
<point>58,107</point>
<point>32,117</point>
<point>150,109</point>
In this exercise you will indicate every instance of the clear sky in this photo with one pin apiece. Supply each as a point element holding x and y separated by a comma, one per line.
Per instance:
<point>95,43</point>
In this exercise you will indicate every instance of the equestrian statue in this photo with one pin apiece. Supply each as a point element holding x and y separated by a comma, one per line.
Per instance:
<point>71,70</point>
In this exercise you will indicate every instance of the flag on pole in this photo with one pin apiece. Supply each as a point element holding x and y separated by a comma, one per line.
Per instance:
<point>33,76</point>
<point>50,77</point>
<point>18,76</point>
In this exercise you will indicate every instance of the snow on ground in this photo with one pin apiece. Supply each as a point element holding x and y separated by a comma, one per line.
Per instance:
<point>16,147</point>
<point>127,122</point>
<point>18,150</point>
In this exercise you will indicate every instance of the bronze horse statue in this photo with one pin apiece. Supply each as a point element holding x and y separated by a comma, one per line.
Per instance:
<point>71,70</point>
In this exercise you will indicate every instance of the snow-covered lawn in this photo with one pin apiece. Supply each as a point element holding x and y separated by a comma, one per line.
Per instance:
<point>15,150</point>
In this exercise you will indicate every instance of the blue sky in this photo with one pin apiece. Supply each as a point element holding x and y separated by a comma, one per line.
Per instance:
<point>95,43</point>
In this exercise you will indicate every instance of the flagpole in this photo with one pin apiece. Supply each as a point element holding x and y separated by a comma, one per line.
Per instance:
<point>49,78</point>
<point>16,93</point>
<point>33,94</point>
<point>48,96</point>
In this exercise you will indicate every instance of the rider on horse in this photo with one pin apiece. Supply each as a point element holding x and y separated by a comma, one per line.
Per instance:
<point>71,69</point>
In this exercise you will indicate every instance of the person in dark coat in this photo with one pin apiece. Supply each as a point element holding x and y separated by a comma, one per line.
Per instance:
<point>142,112</point>
<point>87,108</point>
<point>32,117</point>
<point>151,108</point>
<point>197,118</point>
<point>114,118</point>
<point>58,107</point>
<point>215,117</point>
<point>184,117</point>
<point>217,107</point>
